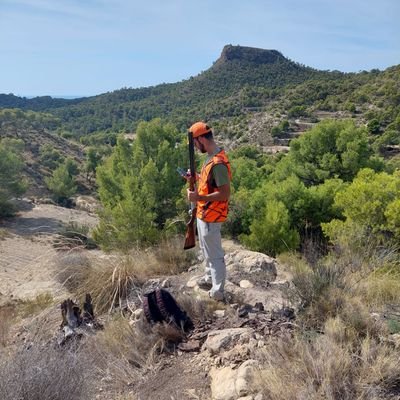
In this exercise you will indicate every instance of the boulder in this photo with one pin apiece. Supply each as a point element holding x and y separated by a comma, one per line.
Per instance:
<point>233,384</point>
<point>251,261</point>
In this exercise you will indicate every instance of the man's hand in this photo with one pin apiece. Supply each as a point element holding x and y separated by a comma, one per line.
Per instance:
<point>193,196</point>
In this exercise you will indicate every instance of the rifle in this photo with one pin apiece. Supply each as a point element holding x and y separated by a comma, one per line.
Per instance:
<point>190,237</point>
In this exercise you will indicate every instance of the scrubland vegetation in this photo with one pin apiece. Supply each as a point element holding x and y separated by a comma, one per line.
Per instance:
<point>329,210</point>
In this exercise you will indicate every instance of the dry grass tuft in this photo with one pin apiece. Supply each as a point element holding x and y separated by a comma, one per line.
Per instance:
<point>171,256</point>
<point>7,317</point>
<point>74,235</point>
<point>342,352</point>
<point>41,373</point>
<point>112,280</point>
<point>199,309</point>
<point>4,234</point>
<point>30,307</point>
<point>124,353</point>
<point>330,367</point>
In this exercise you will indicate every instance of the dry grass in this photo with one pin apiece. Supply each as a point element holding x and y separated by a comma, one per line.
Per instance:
<point>200,310</point>
<point>74,235</point>
<point>336,366</point>
<point>124,353</point>
<point>342,352</point>
<point>30,307</point>
<point>7,318</point>
<point>41,373</point>
<point>112,280</point>
<point>4,234</point>
<point>363,281</point>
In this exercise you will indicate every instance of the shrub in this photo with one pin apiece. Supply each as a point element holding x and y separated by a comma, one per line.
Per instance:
<point>272,233</point>
<point>45,374</point>
<point>61,183</point>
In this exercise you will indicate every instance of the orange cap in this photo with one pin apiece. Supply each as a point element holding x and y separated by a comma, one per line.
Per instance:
<point>199,128</point>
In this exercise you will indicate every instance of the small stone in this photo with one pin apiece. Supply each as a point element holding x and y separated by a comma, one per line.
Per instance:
<point>260,343</point>
<point>219,313</point>
<point>259,396</point>
<point>138,313</point>
<point>245,284</point>
<point>192,283</point>
<point>166,283</point>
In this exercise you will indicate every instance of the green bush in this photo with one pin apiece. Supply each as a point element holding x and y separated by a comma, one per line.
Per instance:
<point>272,233</point>
<point>11,166</point>
<point>139,186</point>
<point>371,203</point>
<point>61,184</point>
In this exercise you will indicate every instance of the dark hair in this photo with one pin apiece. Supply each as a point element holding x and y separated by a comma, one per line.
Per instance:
<point>208,135</point>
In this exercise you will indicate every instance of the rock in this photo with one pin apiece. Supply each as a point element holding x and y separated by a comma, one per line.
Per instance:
<point>245,284</point>
<point>219,313</point>
<point>166,283</point>
<point>259,396</point>
<point>245,377</point>
<point>226,338</point>
<point>192,345</point>
<point>223,383</point>
<point>250,261</point>
<point>281,284</point>
<point>192,282</point>
<point>87,203</point>
<point>230,384</point>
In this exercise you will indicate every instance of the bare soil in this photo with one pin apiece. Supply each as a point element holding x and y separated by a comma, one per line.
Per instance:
<point>27,256</point>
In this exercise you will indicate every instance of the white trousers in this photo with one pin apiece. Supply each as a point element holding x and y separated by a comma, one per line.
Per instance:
<point>211,246</point>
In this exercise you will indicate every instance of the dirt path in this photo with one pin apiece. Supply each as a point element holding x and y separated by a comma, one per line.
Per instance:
<point>27,257</point>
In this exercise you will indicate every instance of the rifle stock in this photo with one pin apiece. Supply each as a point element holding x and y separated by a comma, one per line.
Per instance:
<point>190,237</point>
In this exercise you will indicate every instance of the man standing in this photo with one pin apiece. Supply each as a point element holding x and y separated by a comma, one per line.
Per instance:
<point>212,195</point>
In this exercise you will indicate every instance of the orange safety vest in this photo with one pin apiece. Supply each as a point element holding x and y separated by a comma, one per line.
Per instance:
<point>212,211</point>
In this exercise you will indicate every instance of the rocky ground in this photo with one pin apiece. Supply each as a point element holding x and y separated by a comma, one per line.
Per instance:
<point>217,360</point>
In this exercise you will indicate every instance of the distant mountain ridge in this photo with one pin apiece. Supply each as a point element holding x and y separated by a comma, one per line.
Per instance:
<point>242,79</point>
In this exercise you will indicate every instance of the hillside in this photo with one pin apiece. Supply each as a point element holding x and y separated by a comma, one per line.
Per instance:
<point>206,95</point>
<point>250,95</point>
<point>245,93</point>
<point>42,148</point>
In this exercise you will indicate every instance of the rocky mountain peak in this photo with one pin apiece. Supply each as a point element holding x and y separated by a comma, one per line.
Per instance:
<point>251,54</point>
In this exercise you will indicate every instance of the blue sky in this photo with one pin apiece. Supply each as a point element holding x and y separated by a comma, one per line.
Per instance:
<point>88,47</point>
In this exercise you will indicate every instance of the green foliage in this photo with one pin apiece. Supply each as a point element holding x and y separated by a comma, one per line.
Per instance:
<point>373,126</point>
<point>61,183</point>
<point>50,157</point>
<point>281,129</point>
<point>297,111</point>
<point>332,149</point>
<point>93,158</point>
<point>139,186</point>
<point>11,166</point>
<point>371,203</point>
<point>272,233</point>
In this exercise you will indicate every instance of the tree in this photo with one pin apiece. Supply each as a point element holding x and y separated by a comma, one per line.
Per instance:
<point>139,186</point>
<point>11,166</point>
<point>371,203</point>
<point>93,158</point>
<point>272,233</point>
<point>61,184</point>
<point>332,149</point>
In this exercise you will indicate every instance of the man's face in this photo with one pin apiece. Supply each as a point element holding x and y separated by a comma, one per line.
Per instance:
<point>199,144</point>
